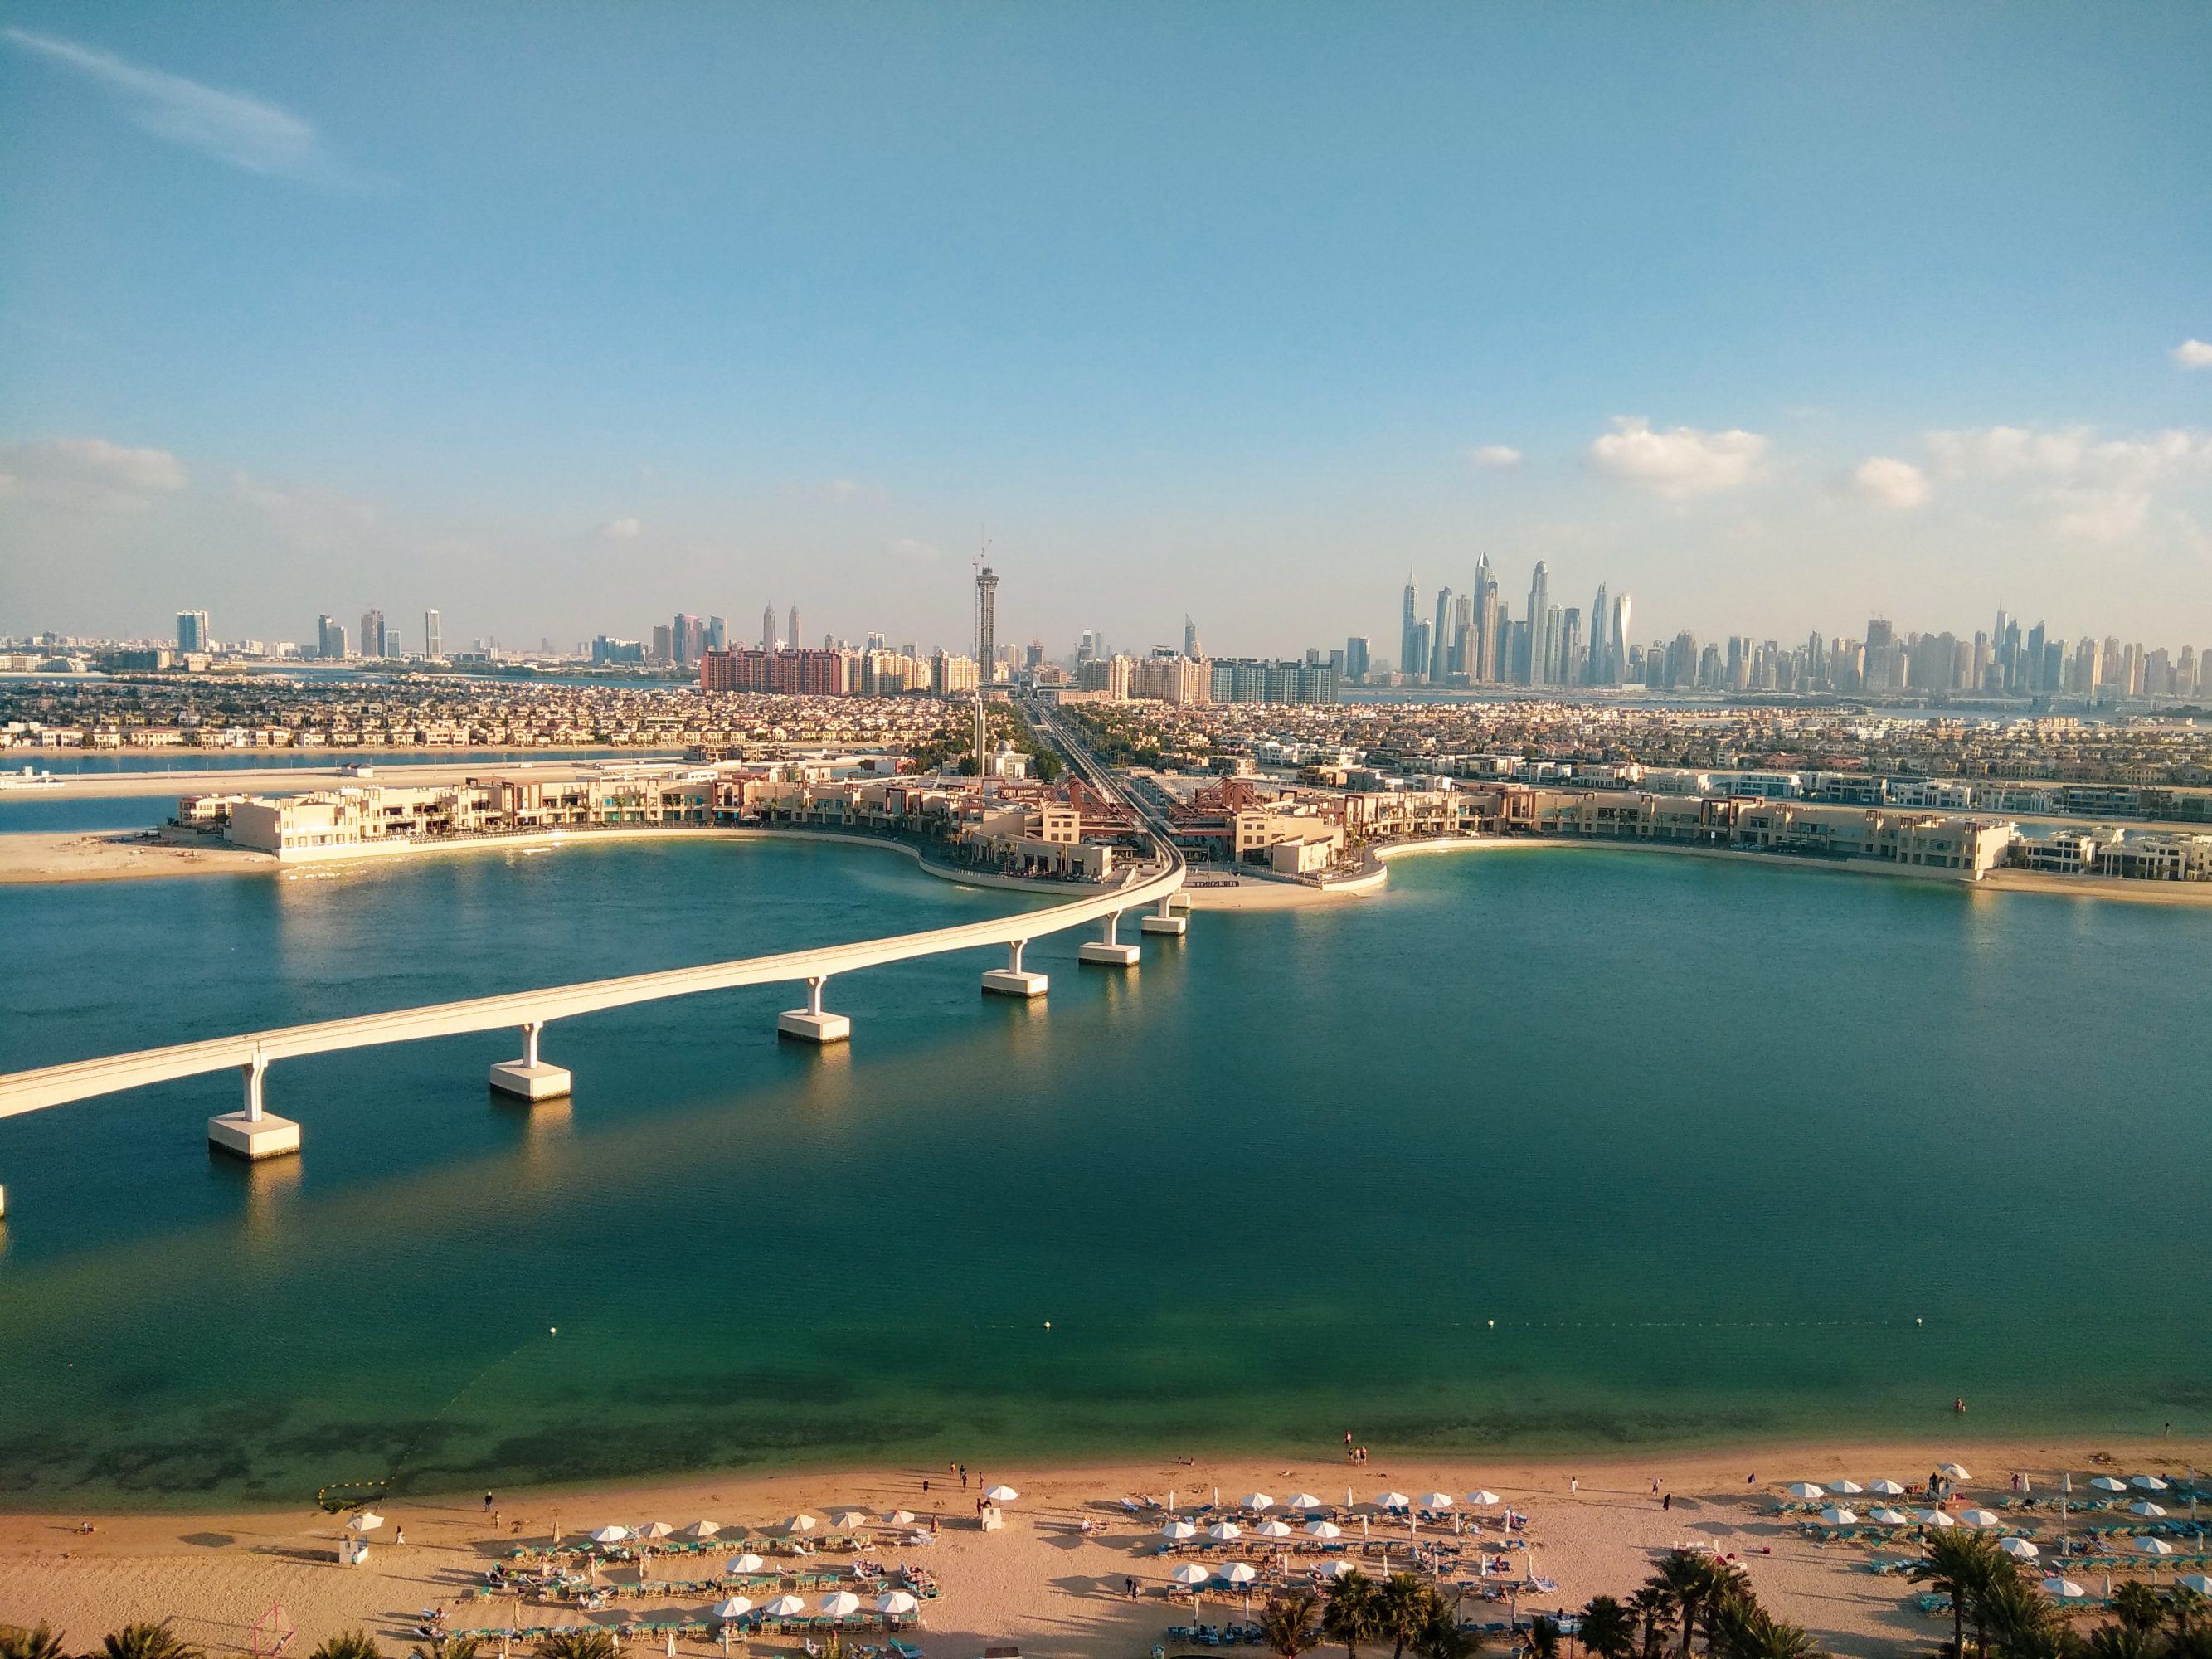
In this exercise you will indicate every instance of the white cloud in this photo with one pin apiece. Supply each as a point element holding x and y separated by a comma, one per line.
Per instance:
<point>235,127</point>
<point>2193,353</point>
<point>1495,458</point>
<point>2099,490</point>
<point>90,472</point>
<point>622,530</point>
<point>914,552</point>
<point>1679,463</point>
<point>1888,482</point>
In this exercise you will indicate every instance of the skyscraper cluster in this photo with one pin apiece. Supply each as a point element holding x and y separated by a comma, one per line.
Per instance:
<point>1474,639</point>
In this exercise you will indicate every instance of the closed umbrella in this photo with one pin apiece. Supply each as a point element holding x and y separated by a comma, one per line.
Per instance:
<point>2065,1588</point>
<point>2153,1546</point>
<point>785,1606</point>
<point>2145,1483</point>
<point>840,1604</point>
<point>1001,1494</point>
<point>1178,1530</point>
<point>1882,1515</point>
<point>1953,1472</point>
<point>1324,1529</point>
<point>1272,1530</point>
<point>736,1607</point>
<point>655,1529</point>
<point>1845,1488</point>
<point>2019,1548</point>
<point>1190,1572</point>
<point>1435,1500</point>
<point>1392,1500</point>
<point>367,1521</point>
<point>609,1535</point>
<point>896,1601</point>
<point>1482,1498</point>
<point>1887,1487</point>
<point>2108,1483</point>
<point>2144,1506</point>
<point>1978,1517</point>
<point>742,1566</point>
<point>801,1523</point>
<point>1223,1532</point>
<point>1258,1500</point>
<point>1236,1572</point>
<point>1304,1500</point>
<point>1936,1518</point>
<point>1836,1515</point>
<point>1807,1489</point>
<point>703,1528</point>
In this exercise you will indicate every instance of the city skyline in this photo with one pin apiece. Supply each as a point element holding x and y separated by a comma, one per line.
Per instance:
<point>1179,350</point>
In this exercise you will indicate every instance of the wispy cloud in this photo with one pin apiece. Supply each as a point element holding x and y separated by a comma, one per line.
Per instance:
<point>2094,487</point>
<point>235,127</point>
<point>90,472</point>
<point>1678,463</point>
<point>2193,353</point>
<point>622,530</point>
<point>1887,481</point>
<point>1495,458</point>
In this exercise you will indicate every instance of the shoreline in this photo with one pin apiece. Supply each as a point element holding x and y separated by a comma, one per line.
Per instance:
<point>1055,1578</point>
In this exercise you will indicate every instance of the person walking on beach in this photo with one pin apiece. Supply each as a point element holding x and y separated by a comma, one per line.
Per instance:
<point>1668,1502</point>
<point>1574,1484</point>
<point>487,1503</point>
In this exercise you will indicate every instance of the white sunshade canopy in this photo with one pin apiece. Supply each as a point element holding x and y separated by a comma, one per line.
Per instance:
<point>845,1520</point>
<point>898,1518</point>
<point>1001,1494</point>
<point>1272,1530</point>
<point>1435,1500</point>
<point>1836,1515</point>
<point>1482,1497</point>
<point>609,1535</point>
<point>1936,1518</point>
<point>1393,1500</point>
<point>1339,1568</point>
<point>2153,1546</point>
<point>840,1604</point>
<point>785,1606</point>
<point>703,1528</point>
<point>736,1607</point>
<point>1178,1530</point>
<point>1978,1517</point>
<point>1222,1532</point>
<point>2019,1548</point>
<point>2108,1483</point>
<point>801,1523</point>
<point>2065,1588</point>
<point>1845,1488</point>
<point>367,1521</point>
<point>2145,1483</point>
<point>1258,1500</point>
<point>1190,1573</point>
<point>1236,1572</point>
<point>655,1529</point>
<point>1882,1515</point>
<point>1887,1487</point>
<point>2199,1581</point>
<point>1953,1472</point>
<point>1324,1529</point>
<point>1807,1489</point>
<point>2144,1506</point>
<point>896,1601</point>
<point>1304,1500</point>
<point>744,1564</point>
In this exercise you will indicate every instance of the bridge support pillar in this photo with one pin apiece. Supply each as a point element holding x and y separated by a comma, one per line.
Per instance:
<point>811,1024</point>
<point>252,1134</point>
<point>4,1203</point>
<point>1010,980</point>
<point>529,1077</point>
<point>1110,952</point>
<point>1164,921</point>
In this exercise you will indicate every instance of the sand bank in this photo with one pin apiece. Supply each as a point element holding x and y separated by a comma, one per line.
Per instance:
<point>41,856</point>
<point>1043,1583</point>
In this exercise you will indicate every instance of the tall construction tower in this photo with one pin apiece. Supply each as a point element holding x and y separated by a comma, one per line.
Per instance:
<point>986,619</point>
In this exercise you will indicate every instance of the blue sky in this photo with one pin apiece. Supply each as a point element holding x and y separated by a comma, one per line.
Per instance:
<point>564,318</point>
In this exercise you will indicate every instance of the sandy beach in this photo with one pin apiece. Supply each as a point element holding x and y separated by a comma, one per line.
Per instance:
<point>32,857</point>
<point>1043,1582</point>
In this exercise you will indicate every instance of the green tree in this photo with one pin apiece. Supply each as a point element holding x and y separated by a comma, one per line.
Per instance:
<point>1403,1605</point>
<point>1442,1635</point>
<point>447,1647</point>
<point>1542,1639</point>
<point>346,1644</point>
<point>39,1643</point>
<point>1744,1630</point>
<point>1694,1582</point>
<point>1963,1565</point>
<point>2138,1607</point>
<point>1353,1614</point>
<point>2120,1642</point>
<point>578,1644</point>
<point>146,1642</point>
<point>2024,1624</point>
<point>1608,1629</point>
<point>1289,1624</point>
<point>1654,1608</point>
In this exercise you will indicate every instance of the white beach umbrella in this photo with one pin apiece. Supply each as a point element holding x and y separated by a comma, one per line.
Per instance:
<point>801,1523</point>
<point>2145,1483</point>
<point>703,1528</point>
<point>655,1529</point>
<point>1001,1494</point>
<point>1807,1489</point>
<point>898,1518</point>
<point>2144,1506</point>
<point>1236,1572</point>
<point>1845,1488</point>
<point>1324,1529</point>
<point>1339,1568</point>
<point>1953,1472</point>
<point>896,1601</point>
<point>1836,1515</point>
<point>742,1566</point>
<point>1190,1572</point>
<point>2108,1483</point>
<point>840,1604</point>
<point>1435,1500</point>
<point>1223,1532</point>
<point>846,1520</point>
<point>2201,1582</point>
<point>609,1535</point>
<point>367,1521</point>
<point>1178,1530</point>
<point>1978,1517</point>
<point>1882,1515</point>
<point>1482,1498</point>
<point>785,1606</point>
<point>2019,1548</point>
<point>1392,1500</point>
<point>736,1607</point>
<point>1887,1487</point>
<point>1304,1500</point>
<point>2153,1546</point>
<point>1272,1530</point>
<point>1258,1500</point>
<point>2065,1588</point>
<point>1936,1518</point>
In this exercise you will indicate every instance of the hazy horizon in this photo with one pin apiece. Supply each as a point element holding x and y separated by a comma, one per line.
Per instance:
<point>1776,318</point>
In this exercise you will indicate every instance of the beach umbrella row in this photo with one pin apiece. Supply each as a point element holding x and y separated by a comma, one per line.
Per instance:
<point>840,1604</point>
<point>1192,1574</point>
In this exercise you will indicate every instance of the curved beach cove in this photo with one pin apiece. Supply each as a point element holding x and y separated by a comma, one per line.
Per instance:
<point>1545,1154</point>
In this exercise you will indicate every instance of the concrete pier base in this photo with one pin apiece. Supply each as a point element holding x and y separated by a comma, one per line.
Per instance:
<point>4,1203</point>
<point>1108,956</point>
<point>254,1137</point>
<point>1174,924</point>
<point>1179,901</point>
<point>1014,983</point>
<point>810,1027</point>
<point>524,1081</point>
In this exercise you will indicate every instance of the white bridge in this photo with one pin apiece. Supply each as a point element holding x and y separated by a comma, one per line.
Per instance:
<point>253,1133</point>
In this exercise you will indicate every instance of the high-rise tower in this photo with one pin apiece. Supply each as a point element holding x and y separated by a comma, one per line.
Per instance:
<point>768,628</point>
<point>1601,641</point>
<point>1412,659</point>
<point>433,636</point>
<point>1535,671</point>
<point>797,639</point>
<point>1440,639</point>
<point>986,620</point>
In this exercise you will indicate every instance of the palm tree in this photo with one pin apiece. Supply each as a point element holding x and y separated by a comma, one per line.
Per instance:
<point>1694,1582</point>
<point>1403,1608</point>
<point>2119,1642</point>
<point>1607,1629</point>
<point>1288,1625</point>
<point>1441,1636</point>
<point>1653,1608</point>
<point>1542,1640</point>
<point>578,1644</point>
<point>2024,1624</point>
<point>2139,1607</point>
<point>1963,1565</point>
<point>39,1643</point>
<point>146,1642</point>
<point>347,1644</point>
<point>1746,1630</point>
<point>447,1647</point>
<point>1353,1614</point>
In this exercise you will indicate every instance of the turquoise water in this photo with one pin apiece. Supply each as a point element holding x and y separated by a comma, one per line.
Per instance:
<point>1722,1150</point>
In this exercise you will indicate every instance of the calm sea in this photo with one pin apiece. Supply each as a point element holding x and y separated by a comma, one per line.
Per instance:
<point>1558,1148</point>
